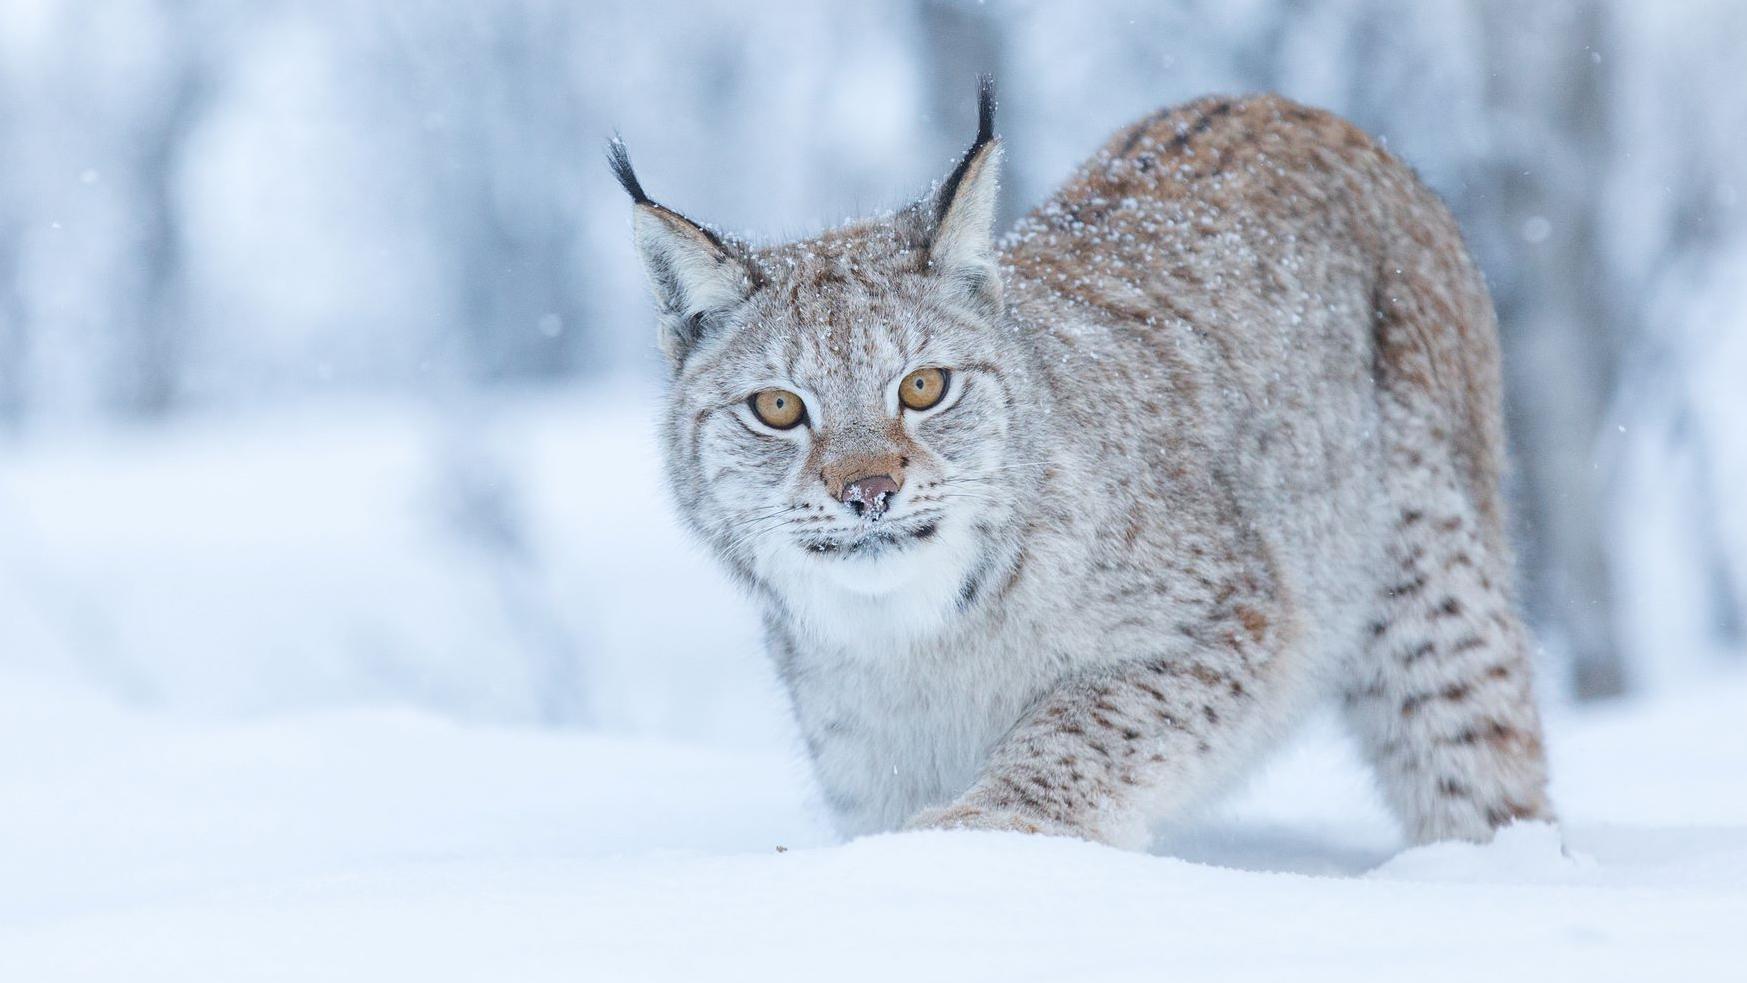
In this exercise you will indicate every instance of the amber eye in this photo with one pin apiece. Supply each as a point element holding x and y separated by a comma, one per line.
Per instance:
<point>778,408</point>
<point>922,389</point>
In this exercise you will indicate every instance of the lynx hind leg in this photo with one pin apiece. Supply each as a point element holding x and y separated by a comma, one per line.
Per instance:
<point>1443,703</point>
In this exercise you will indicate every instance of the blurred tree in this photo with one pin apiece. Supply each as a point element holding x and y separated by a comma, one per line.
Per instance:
<point>492,91</point>
<point>11,298</point>
<point>147,357</point>
<point>12,349</point>
<point>1530,206</point>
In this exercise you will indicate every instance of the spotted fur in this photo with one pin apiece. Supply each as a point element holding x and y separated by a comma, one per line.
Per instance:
<point>1221,441</point>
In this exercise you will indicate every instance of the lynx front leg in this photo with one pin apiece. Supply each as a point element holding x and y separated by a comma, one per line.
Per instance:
<point>1108,752</point>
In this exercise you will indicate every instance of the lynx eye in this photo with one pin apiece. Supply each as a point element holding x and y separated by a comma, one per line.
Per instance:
<point>922,389</point>
<point>777,408</point>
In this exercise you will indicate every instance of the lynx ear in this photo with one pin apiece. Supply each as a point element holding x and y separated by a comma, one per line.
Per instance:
<point>962,242</point>
<point>697,276</point>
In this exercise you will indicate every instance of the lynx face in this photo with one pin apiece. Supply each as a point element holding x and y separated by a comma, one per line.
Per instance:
<point>850,421</point>
<point>846,418</point>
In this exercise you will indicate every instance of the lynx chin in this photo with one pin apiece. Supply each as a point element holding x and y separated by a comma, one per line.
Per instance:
<point>1058,532</point>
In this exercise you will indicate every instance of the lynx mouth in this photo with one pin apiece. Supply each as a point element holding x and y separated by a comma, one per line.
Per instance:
<point>875,542</point>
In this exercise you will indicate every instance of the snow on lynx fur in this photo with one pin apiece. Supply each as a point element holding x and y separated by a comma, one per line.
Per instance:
<point>1058,533</point>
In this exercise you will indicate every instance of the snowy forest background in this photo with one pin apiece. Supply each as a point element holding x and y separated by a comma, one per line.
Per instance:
<point>326,370</point>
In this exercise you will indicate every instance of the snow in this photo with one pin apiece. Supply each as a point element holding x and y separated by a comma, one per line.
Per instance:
<point>394,844</point>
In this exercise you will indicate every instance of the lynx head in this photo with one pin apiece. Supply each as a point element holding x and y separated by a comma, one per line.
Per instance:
<point>847,411</point>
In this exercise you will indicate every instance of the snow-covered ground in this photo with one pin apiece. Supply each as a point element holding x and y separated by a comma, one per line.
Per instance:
<point>271,708</point>
<point>382,845</point>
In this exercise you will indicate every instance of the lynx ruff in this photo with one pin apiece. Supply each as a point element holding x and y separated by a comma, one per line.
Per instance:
<point>1057,533</point>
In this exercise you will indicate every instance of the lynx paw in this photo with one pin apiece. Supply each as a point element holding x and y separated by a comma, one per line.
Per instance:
<point>965,816</point>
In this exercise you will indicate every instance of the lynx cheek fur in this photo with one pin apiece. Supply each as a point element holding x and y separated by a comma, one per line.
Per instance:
<point>1056,534</point>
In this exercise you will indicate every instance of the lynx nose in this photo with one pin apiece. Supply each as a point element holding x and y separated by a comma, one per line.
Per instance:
<point>869,495</point>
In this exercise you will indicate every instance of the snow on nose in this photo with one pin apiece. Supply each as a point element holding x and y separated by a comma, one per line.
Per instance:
<point>870,495</point>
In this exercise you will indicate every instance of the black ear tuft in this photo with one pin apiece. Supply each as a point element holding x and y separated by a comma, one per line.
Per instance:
<point>985,133</point>
<point>619,159</point>
<point>985,109</point>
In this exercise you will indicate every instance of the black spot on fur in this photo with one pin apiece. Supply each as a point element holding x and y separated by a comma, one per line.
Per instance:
<point>1140,131</point>
<point>1408,588</point>
<point>967,592</point>
<point>973,584</point>
<point>1201,126</point>
<point>1027,799</point>
<point>1182,139</point>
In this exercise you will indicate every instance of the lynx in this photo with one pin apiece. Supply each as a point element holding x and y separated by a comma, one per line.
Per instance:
<point>1058,532</point>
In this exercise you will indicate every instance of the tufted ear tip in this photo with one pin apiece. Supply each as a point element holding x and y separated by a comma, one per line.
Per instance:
<point>980,148</point>
<point>619,162</point>
<point>961,237</point>
<point>696,275</point>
